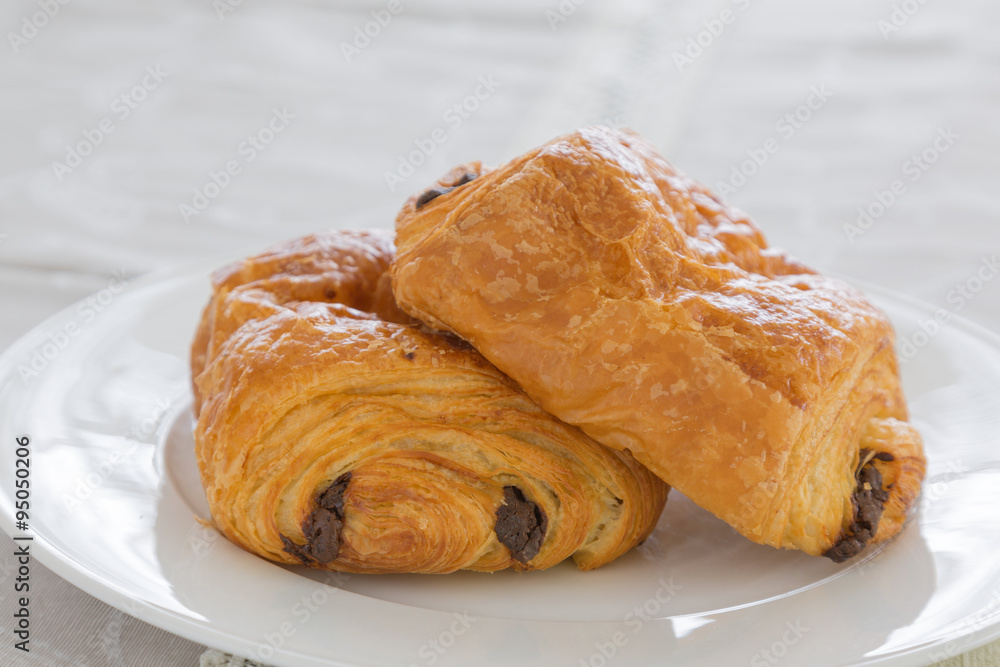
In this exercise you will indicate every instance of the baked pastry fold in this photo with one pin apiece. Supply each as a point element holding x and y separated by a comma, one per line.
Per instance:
<point>630,301</point>
<point>333,431</point>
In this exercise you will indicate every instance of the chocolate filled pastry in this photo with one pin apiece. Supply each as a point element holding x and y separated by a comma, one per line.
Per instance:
<point>630,301</point>
<point>335,432</point>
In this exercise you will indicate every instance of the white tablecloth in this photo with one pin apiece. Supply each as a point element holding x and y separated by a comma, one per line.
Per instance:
<point>860,136</point>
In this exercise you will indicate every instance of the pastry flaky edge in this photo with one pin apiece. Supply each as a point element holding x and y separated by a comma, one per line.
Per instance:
<point>630,301</point>
<point>334,432</point>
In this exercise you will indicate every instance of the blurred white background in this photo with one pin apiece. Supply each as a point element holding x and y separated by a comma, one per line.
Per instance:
<point>861,135</point>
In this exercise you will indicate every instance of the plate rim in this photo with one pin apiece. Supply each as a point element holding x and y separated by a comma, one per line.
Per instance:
<point>96,585</point>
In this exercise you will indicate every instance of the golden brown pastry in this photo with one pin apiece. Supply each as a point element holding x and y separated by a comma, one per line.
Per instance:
<point>629,301</point>
<point>334,432</point>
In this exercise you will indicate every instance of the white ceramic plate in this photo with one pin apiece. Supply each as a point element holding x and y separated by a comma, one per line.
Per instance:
<point>115,501</point>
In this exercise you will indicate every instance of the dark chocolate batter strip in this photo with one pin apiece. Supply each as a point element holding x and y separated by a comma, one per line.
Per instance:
<point>868,501</point>
<point>520,525</point>
<point>322,528</point>
<point>433,193</point>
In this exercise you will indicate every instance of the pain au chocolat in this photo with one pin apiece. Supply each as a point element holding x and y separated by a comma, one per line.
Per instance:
<point>630,301</point>
<point>333,431</point>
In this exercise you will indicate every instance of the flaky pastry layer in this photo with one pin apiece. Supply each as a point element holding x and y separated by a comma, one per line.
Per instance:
<point>630,301</point>
<point>334,432</point>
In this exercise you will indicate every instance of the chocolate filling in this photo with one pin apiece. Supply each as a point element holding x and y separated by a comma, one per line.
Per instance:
<point>322,528</point>
<point>868,500</point>
<point>520,525</point>
<point>433,193</point>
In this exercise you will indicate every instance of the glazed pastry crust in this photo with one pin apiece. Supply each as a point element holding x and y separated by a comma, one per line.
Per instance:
<point>307,374</point>
<point>630,301</point>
